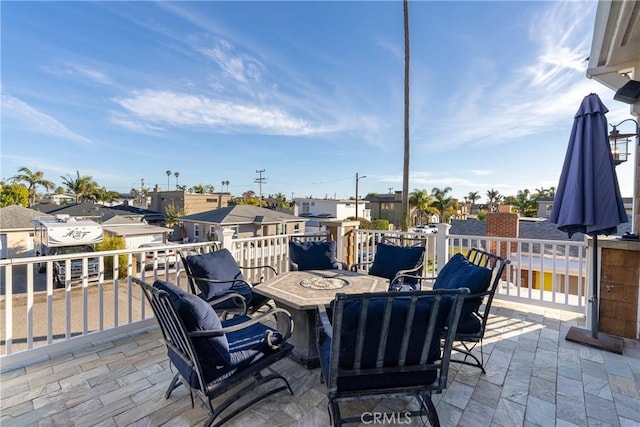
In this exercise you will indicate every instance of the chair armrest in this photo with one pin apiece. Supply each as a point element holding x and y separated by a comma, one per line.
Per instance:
<point>268,267</point>
<point>355,267</point>
<point>324,321</point>
<point>400,277</point>
<point>249,322</point>
<point>232,295</point>
<point>255,267</point>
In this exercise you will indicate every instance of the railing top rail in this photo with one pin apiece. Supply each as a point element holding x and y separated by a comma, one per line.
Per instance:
<point>520,239</point>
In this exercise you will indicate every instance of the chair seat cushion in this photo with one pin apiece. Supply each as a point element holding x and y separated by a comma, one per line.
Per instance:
<point>219,356</point>
<point>390,259</point>
<point>459,272</point>
<point>217,265</point>
<point>245,347</point>
<point>313,255</point>
<point>374,381</point>
<point>470,325</point>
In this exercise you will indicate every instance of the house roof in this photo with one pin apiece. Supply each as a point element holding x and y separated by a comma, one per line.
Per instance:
<point>242,214</point>
<point>95,210</point>
<point>16,217</point>
<point>543,230</point>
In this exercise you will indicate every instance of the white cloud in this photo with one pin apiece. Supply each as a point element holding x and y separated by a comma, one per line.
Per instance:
<point>537,96</point>
<point>154,109</point>
<point>479,172</point>
<point>240,67</point>
<point>34,120</point>
<point>79,70</point>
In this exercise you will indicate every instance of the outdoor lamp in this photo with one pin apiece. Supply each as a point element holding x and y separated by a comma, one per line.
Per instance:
<point>619,142</point>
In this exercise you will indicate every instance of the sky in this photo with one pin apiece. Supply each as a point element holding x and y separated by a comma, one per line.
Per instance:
<point>311,93</point>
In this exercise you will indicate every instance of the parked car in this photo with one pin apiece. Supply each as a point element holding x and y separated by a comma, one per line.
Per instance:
<point>427,228</point>
<point>164,256</point>
<point>59,267</point>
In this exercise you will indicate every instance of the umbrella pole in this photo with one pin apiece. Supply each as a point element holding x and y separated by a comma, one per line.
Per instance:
<point>592,338</point>
<point>594,293</point>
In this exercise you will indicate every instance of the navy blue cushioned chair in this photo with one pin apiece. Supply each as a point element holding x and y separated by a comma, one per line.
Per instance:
<point>480,272</point>
<point>215,274</point>
<point>397,263</point>
<point>387,344</point>
<point>313,255</point>
<point>214,357</point>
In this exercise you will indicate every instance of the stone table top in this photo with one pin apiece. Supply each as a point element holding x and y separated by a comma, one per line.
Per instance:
<point>298,289</point>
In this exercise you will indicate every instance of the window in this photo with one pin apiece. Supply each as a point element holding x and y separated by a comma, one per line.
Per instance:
<point>212,233</point>
<point>281,228</point>
<point>196,230</point>
<point>296,227</point>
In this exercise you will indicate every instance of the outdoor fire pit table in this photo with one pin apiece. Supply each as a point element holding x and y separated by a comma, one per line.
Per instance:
<point>300,292</point>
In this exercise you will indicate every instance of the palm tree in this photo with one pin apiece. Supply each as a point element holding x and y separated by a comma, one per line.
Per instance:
<point>443,202</point>
<point>493,199</point>
<point>473,196</point>
<point>81,187</point>
<point>33,179</point>
<point>168,172</point>
<point>405,168</point>
<point>176,174</point>
<point>421,200</point>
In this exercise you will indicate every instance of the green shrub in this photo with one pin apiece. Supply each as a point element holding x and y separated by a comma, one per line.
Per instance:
<point>380,224</point>
<point>111,243</point>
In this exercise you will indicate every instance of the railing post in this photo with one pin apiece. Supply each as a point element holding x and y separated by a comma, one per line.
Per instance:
<point>227,237</point>
<point>342,233</point>
<point>442,244</point>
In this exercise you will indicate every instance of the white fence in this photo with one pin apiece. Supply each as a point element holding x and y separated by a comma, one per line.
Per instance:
<point>40,319</point>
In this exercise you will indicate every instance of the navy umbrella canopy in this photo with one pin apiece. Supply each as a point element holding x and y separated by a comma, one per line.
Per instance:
<point>588,197</point>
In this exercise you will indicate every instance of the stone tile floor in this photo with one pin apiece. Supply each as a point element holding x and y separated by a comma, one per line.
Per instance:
<point>534,378</point>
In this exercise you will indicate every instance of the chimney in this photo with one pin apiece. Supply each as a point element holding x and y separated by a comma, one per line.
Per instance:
<point>503,224</point>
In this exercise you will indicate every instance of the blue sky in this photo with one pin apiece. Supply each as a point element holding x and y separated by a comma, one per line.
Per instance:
<point>310,92</point>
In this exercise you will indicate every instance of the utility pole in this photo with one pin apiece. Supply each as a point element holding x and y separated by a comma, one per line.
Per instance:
<point>260,180</point>
<point>358,178</point>
<point>141,198</point>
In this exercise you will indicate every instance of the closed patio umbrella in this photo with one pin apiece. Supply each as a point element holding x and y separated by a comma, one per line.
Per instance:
<point>588,199</point>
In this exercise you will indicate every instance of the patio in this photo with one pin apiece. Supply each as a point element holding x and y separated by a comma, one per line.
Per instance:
<point>534,377</point>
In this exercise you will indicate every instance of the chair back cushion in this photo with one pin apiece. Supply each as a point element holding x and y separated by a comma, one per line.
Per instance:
<point>390,259</point>
<point>198,315</point>
<point>459,272</point>
<point>217,265</point>
<point>372,330</point>
<point>313,255</point>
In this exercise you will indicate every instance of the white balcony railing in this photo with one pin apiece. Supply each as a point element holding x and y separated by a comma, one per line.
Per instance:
<point>40,320</point>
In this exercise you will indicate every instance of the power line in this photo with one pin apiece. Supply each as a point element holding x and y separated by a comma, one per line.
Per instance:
<point>260,180</point>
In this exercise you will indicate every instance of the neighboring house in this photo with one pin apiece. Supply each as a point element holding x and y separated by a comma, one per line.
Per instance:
<point>58,199</point>
<point>331,208</point>
<point>546,203</point>
<point>134,233</point>
<point>245,220</point>
<point>17,230</point>
<point>191,203</point>
<point>386,206</point>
